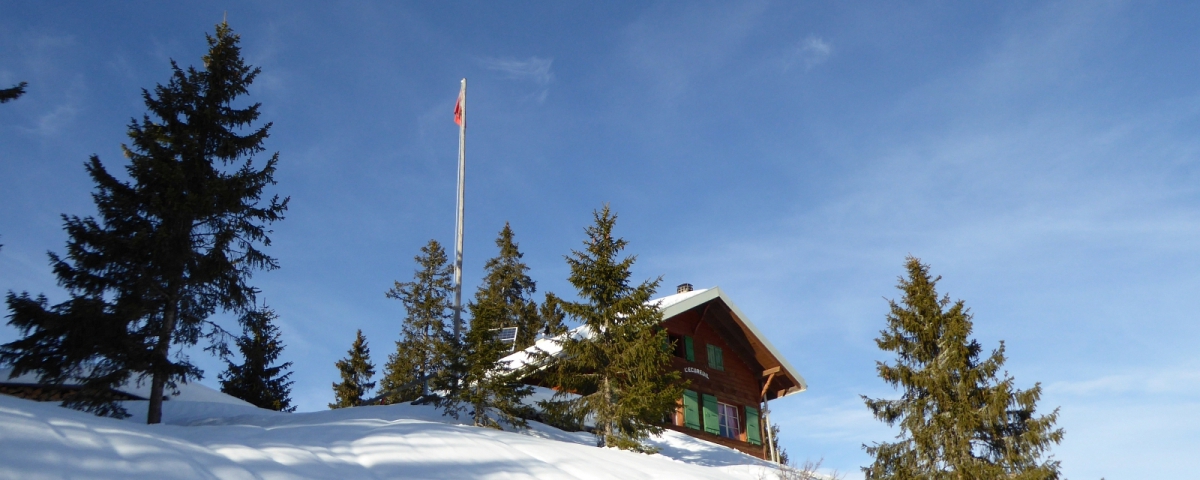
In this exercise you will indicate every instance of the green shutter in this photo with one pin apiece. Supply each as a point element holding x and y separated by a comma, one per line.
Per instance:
<point>712,421</point>
<point>691,410</point>
<point>716,359</point>
<point>687,349</point>
<point>753,435</point>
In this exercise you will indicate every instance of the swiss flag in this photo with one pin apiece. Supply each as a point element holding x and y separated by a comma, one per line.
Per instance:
<point>458,109</point>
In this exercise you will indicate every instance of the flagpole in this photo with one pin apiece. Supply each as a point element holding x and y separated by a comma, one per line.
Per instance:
<point>458,231</point>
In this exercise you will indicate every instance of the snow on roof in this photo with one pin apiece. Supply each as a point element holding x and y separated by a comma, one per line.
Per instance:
<point>670,300</point>
<point>552,346</point>
<point>186,392</point>
<point>670,306</point>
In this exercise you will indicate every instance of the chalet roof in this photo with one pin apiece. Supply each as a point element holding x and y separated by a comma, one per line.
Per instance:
<point>762,350</point>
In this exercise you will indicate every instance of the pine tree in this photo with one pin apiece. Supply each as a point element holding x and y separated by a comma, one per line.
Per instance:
<point>958,418</point>
<point>170,247</point>
<point>255,380</point>
<point>618,365</point>
<point>13,93</point>
<point>417,367</point>
<point>356,371</point>
<point>503,300</point>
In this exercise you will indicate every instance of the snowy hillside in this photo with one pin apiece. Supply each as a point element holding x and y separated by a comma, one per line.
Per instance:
<point>206,440</point>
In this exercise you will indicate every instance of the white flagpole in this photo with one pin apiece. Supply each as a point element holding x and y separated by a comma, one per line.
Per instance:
<point>458,231</point>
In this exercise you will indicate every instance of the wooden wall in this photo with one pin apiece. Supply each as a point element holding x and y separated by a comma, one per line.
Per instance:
<point>739,384</point>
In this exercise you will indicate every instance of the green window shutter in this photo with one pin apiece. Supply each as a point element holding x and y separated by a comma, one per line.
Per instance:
<point>687,349</point>
<point>716,359</point>
<point>712,422</point>
<point>753,435</point>
<point>691,410</point>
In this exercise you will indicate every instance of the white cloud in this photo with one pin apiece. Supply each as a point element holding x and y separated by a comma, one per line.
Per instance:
<point>810,52</point>
<point>51,123</point>
<point>1174,382</point>
<point>533,69</point>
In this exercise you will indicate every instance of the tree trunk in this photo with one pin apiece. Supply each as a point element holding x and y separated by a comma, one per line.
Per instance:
<point>608,409</point>
<point>158,377</point>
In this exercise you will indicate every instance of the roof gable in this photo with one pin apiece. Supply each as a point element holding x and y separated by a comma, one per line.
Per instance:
<point>735,325</point>
<point>733,322</point>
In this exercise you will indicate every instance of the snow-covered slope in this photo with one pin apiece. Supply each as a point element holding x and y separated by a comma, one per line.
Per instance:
<point>203,440</point>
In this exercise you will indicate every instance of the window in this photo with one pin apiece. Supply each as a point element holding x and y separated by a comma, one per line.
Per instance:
<point>683,347</point>
<point>731,425</point>
<point>716,358</point>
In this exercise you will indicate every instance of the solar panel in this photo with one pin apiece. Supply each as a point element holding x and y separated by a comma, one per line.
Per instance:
<point>507,336</point>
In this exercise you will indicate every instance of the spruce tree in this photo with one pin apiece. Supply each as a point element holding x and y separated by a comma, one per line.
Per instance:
<point>618,364</point>
<point>255,380</point>
<point>356,371</point>
<point>783,456</point>
<point>503,300</point>
<point>958,417</point>
<point>170,247</point>
<point>551,316</point>
<point>13,93</point>
<point>417,367</point>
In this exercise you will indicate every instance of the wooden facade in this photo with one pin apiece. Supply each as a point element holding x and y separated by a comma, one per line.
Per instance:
<point>731,372</point>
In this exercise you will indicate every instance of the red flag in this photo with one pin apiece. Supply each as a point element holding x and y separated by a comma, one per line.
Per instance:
<point>458,109</point>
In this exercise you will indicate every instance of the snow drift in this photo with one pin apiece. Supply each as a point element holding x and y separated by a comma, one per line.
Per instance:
<point>210,440</point>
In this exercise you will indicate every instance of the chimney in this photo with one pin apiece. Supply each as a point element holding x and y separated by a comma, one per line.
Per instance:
<point>683,287</point>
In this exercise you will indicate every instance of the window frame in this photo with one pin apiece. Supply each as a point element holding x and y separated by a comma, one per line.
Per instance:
<point>725,412</point>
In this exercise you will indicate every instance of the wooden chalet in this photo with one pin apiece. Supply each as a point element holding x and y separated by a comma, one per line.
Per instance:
<point>731,368</point>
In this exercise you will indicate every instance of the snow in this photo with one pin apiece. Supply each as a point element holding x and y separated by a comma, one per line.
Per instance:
<point>206,440</point>
<point>190,392</point>
<point>553,346</point>
<point>667,301</point>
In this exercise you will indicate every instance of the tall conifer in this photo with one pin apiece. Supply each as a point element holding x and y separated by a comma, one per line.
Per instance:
<point>356,371</point>
<point>618,364</point>
<point>256,380</point>
<point>170,247</point>
<point>958,418</point>
<point>503,300</point>
<point>423,350</point>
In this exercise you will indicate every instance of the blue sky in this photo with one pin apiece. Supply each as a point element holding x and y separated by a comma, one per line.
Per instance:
<point>1042,157</point>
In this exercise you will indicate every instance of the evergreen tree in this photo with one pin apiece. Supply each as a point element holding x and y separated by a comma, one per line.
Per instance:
<point>618,364</point>
<point>503,300</point>
<point>425,344</point>
<point>958,418</point>
<point>13,93</point>
<point>356,371</point>
<point>256,381</point>
<point>783,456</point>
<point>170,247</point>
<point>551,316</point>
